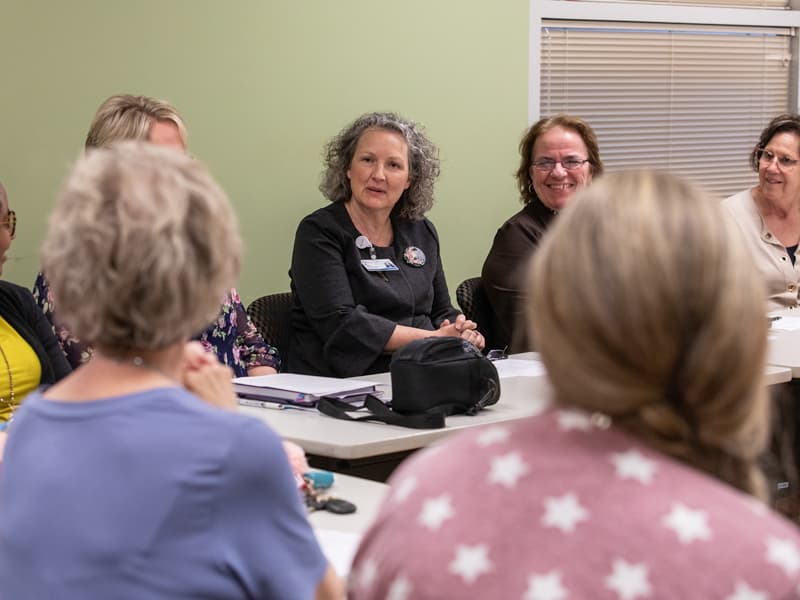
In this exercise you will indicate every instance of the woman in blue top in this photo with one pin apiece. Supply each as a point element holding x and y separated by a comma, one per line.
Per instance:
<point>134,477</point>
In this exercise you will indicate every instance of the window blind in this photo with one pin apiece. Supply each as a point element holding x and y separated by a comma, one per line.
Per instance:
<point>690,99</point>
<point>773,4</point>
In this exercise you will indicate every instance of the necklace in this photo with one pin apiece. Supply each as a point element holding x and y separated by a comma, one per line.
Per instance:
<point>139,362</point>
<point>382,235</point>
<point>10,401</point>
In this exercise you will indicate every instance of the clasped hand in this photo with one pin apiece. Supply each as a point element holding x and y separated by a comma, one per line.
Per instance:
<point>463,328</point>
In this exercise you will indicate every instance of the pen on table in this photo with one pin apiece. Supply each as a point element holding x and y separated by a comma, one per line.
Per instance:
<point>271,405</point>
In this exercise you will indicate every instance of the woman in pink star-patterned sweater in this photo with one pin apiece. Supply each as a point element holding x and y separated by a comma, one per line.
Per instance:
<point>641,480</point>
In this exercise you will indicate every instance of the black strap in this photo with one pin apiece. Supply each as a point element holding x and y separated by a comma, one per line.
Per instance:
<point>378,411</point>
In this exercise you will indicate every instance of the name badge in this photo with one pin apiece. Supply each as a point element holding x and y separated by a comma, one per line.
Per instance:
<point>378,265</point>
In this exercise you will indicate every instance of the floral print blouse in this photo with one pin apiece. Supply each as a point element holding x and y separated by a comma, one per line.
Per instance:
<point>232,336</point>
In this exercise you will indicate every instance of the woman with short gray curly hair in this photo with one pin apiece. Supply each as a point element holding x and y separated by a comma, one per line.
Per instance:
<point>232,337</point>
<point>147,257</point>
<point>133,444</point>
<point>366,272</point>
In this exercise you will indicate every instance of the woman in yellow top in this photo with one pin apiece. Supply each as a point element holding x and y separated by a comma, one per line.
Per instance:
<point>29,352</point>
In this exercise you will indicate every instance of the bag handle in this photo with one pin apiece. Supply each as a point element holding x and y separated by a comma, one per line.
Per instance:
<point>378,411</point>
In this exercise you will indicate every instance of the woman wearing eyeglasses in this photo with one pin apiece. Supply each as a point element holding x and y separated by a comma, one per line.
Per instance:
<point>29,352</point>
<point>559,156</point>
<point>768,214</point>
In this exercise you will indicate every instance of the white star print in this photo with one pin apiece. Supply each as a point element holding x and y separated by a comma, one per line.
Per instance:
<point>628,580</point>
<point>400,589</point>
<point>742,591</point>
<point>783,553</point>
<point>545,587</point>
<point>564,512</point>
<point>403,489</point>
<point>690,525</point>
<point>436,511</point>
<point>471,562</point>
<point>493,435</point>
<point>507,469</point>
<point>367,573</point>
<point>758,507</point>
<point>574,419</point>
<point>634,465</point>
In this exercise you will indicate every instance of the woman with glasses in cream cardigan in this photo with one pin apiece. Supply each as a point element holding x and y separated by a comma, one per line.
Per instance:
<point>768,215</point>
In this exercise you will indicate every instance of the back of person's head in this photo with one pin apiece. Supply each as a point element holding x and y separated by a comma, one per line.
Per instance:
<point>128,117</point>
<point>646,309</point>
<point>141,248</point>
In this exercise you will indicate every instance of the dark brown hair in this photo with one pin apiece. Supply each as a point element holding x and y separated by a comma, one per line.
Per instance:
<point>787,122</point>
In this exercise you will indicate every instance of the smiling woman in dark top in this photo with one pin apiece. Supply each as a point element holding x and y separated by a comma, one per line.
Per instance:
<point>558,156</point>
<point>366,271</point>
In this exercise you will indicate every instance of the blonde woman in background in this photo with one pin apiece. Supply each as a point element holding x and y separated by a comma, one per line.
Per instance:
<point>232,336</point>
<point>134,477</point>
<point>642,481</point>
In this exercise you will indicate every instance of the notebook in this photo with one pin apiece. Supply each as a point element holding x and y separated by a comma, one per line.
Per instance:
<point>298,390</point>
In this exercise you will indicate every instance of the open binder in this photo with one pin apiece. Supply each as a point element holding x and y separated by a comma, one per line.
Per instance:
<point>299,390</point>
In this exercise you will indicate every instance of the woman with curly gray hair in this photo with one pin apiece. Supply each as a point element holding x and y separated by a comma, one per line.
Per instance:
<point>366,270</point>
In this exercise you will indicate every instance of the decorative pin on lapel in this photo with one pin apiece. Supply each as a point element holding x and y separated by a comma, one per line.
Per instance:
<point>414,256</point>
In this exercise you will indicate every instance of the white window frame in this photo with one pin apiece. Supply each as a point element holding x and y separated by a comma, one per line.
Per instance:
<point>649,13</point>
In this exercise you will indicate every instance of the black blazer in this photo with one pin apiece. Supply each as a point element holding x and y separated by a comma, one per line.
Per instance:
<point>18,307</point>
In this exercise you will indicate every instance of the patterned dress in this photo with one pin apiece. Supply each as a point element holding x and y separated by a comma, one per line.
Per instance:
<point>232,336</point>
<point>556,508</point>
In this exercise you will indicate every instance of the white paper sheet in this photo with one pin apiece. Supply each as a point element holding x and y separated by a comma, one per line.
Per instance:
<point>339,548</point>
<point>514,367</point>
<point>786,324</point>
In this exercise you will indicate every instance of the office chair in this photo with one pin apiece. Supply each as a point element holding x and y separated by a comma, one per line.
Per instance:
<point>270,315</point>
<point>473,302</point>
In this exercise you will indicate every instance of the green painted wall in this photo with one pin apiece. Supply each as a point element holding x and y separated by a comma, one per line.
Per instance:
<point>262,85</point>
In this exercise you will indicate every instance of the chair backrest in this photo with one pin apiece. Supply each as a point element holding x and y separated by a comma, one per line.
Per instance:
<point>270,315</point>
<point>474,303</point>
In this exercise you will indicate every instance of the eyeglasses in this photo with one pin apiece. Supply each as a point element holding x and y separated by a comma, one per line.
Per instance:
<point>548,164</point>
<point>765,157</point>
<point>11,222</point>
<point>497,354</point>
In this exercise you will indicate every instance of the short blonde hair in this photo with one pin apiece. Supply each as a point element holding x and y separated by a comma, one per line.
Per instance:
<point>128,117</point>
<point>645,308</point>
<point>141,248</point>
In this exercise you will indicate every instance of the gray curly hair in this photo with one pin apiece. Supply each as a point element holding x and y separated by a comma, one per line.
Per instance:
<point>423,159</point>
<point>141,247</point>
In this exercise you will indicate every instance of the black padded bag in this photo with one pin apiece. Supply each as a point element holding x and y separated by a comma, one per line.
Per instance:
<point>431,378</point>
<point>442,374</point>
